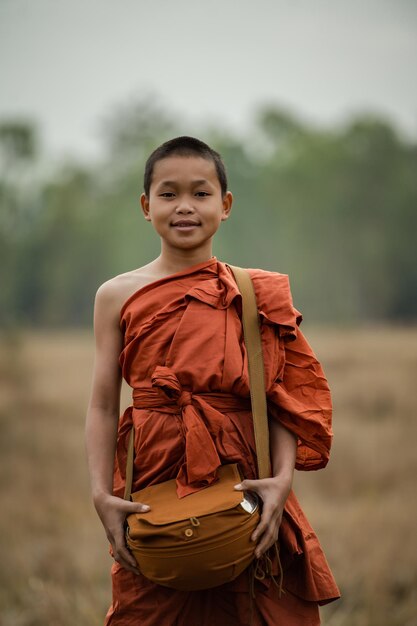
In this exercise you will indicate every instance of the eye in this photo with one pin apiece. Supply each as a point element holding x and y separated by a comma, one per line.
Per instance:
<point>202,194</point>
<point>167,194</point>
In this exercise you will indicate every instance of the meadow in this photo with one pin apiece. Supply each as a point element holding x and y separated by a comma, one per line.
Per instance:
<point>55,561</point>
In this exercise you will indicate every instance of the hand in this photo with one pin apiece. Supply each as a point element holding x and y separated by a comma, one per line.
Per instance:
<point>273,493</point>
<point>112,512</point>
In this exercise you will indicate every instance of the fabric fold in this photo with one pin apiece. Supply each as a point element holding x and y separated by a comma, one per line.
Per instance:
<point>201,458</point>
<point>274,299</point>
<point>301,401</point>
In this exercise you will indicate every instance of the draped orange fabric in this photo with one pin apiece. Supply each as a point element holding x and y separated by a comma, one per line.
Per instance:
<point>184,357</point>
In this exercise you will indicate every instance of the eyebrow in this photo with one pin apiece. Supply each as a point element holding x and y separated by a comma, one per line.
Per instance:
<point>173,183</point>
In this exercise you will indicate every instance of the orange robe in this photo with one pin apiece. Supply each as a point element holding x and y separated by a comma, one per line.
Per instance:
<point>185,358</point>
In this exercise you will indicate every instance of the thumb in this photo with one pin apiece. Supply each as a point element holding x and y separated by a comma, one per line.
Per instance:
<point>246,485</point>
<point>135,507</point>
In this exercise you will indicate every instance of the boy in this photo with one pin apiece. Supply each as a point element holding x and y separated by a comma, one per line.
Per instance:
<point>173,326</point>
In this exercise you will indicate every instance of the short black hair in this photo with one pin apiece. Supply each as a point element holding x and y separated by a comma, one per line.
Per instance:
<point>184,146</point>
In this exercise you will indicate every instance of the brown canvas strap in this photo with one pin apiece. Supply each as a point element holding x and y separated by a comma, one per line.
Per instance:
<point>252,337</point>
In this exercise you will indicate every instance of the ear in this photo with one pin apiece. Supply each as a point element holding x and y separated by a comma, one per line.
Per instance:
<point>227,204</point>
<point>144,202</point>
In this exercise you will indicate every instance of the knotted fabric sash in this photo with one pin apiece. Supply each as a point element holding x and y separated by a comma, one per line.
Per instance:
<point>201,420</point>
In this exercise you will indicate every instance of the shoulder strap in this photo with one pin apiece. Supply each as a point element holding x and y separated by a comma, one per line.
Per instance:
<point>252,337</point>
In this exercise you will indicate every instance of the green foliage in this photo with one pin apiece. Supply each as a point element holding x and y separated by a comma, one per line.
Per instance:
<point>17,142</point>
<point>333,208</point>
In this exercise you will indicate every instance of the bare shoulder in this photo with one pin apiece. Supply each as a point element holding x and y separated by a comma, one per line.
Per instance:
<point>113,293</point>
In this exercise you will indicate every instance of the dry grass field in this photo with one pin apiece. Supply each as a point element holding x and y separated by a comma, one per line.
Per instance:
<point>55,565</point>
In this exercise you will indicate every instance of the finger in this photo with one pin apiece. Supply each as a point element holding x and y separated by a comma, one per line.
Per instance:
<point>246,485</point>
<point>265,522</point>
<point>125,554</point>
<point>133,507</point>
<point>126,564</point>
<point>120,547</point>
<point>268,540</point>
<point>122,552</point>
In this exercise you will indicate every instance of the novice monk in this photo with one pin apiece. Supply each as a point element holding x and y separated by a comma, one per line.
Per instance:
<point>173,330</point>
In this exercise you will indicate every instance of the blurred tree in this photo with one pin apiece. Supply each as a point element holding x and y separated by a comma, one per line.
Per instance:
<point>18,152</point>
<point>380,215</point>
<point>17,144</point>
<point>133,130</point>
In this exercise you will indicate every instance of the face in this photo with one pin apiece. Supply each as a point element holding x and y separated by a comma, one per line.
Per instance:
<point>185,203</point>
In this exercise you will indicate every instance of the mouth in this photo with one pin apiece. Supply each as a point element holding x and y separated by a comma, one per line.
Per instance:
<point>185,225</point>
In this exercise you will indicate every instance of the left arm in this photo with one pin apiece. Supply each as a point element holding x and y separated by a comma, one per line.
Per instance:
<point>273,491</point>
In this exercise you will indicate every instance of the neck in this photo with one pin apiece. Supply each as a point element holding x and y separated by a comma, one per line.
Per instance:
<point>171,261</point>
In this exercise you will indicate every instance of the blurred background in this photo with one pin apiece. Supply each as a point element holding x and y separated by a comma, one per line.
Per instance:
<point>314,109</point>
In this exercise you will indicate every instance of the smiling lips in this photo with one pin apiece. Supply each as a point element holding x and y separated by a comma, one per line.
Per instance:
<point>185,224</point>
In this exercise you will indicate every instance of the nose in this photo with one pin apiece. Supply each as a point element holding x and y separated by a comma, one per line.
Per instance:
<point>185,205</point>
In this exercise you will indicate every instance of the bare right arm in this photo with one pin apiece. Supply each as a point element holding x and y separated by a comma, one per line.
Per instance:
<point>102,422</point>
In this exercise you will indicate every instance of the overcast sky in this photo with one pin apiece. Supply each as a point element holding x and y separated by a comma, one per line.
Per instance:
<point>67,63</point>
